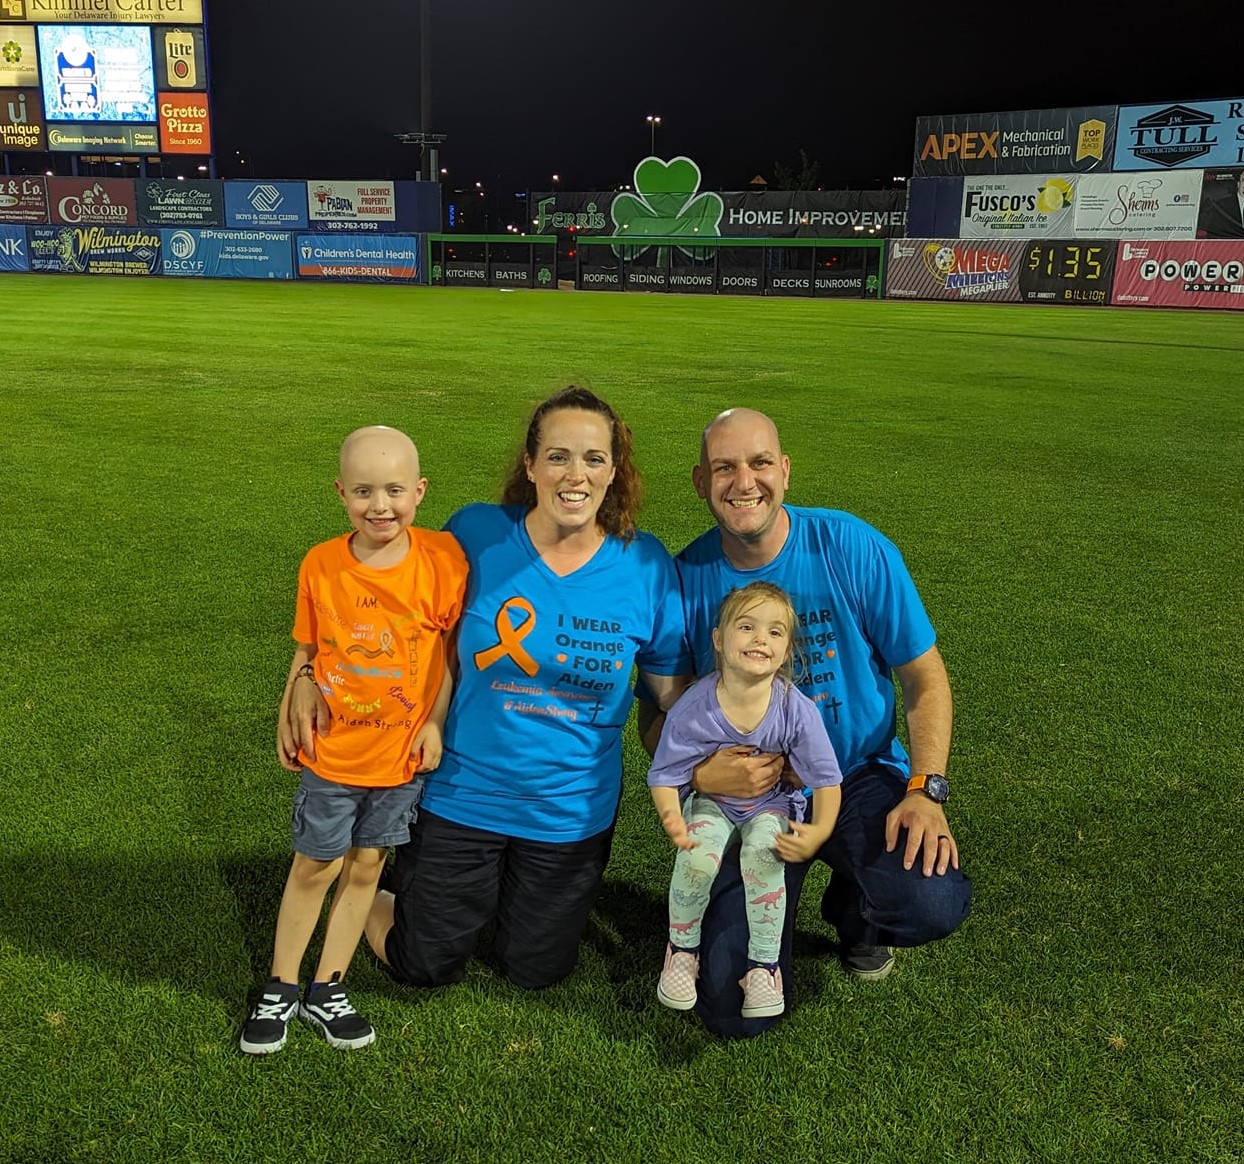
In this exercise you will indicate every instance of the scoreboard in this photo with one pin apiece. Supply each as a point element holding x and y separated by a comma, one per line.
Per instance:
<point>124,77</point>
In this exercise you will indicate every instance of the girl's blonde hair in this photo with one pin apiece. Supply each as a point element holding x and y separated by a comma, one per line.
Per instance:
<point>744,598</point>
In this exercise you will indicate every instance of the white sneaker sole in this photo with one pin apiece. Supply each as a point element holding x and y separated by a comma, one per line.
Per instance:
<point>674,1003</point>
<point>333,1040</point>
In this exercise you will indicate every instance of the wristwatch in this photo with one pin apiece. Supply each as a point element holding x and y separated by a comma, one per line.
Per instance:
<point>933,784</point>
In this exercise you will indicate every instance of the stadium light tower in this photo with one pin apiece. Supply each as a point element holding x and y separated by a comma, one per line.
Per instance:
<point>653,121</point>
<point>427,141</point>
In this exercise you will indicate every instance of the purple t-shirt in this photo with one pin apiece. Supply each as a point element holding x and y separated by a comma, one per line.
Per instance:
<point>696,727</point>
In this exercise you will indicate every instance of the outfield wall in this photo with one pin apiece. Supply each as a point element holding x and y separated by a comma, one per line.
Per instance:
<point>1205,273</point>
<point>1134,205</point>
<point>1187,204</point>
<point>361,230</point>
<point>1173,171</point>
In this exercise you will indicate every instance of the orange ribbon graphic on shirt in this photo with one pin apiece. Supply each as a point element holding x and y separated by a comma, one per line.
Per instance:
<point>509,637</point>
<point>385,648</point>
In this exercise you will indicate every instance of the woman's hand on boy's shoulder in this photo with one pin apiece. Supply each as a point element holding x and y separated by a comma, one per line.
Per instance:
<point>305,715</point>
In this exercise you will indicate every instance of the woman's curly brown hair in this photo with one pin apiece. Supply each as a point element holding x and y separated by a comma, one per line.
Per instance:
<point>620,507</point>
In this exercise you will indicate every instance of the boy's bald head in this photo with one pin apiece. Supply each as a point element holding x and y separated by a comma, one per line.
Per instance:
<point>387,445</point>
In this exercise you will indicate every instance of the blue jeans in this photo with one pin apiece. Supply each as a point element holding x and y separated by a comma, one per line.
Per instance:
<point>871,899</point>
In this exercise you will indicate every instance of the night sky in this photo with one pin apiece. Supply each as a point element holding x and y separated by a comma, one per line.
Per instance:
<point>523,91</point>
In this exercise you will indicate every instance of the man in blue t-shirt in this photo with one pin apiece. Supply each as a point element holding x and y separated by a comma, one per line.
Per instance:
<point>896,878</point>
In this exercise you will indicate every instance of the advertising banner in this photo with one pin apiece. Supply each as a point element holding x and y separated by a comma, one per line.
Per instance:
<point>1180,274</point>
<point>94,250</point>
<point>23,199</point>
<point>1006,207</point>
<point>97,73</point>
<point>1137,205</point>
<point>387,258</point>
<point>789,283</point>
<point>21,126</point>
<point>1222,204</point>
<point>1191,136</point>
<point>649,279</point>
<point>92,201</point>
<point>165,202</point>
<point>185,127</point>
<point>511,275</point>
<point>1069,272</point>
<point>736,280</point>
<point>600,278</point>
<point>691,280</point>
<point>940,268</point>
<point>266,205</point>
<point>744,214</point>
<point>100,138</point>
<point>19,61</point>
<point>934,207</point>
<point>13,253</point>
<point>360,206</point>
<point>228,254</point>
<point>462,274</point>
<point>179,59</point>
<point>1031,141</point>
<point>101,11</point>
<point>846,274</point>
<point>814,214</point>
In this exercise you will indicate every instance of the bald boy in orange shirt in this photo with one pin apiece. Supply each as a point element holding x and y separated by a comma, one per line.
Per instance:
<point>375,611</point>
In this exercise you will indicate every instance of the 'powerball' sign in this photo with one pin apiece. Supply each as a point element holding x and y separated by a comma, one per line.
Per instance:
<point>382,257</point>
<point>228,254</point>
<point>266,205</point>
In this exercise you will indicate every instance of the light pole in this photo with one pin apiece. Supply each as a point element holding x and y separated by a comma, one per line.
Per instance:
<point>653,121</point>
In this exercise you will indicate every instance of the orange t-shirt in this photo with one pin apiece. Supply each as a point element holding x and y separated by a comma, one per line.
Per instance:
<point>380,637</point>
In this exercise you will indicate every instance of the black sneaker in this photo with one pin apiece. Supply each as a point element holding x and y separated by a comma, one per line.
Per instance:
<point>267,1027</point>
<point>871,963</point>
<point>327,1007</point>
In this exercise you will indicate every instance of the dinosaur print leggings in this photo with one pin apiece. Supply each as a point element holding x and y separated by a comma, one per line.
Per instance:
<point>764,879</point>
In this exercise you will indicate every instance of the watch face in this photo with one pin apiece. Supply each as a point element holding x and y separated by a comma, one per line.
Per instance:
<point>937,788</point>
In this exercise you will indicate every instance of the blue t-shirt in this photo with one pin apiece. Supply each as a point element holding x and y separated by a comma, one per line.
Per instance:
<point>533,742</point>
<point>859,617</point>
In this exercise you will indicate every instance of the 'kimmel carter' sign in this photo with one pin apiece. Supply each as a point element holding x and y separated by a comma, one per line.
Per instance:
<point>101,12</point>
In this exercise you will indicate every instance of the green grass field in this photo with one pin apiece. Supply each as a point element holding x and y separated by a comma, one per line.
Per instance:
<point>1066,486</point>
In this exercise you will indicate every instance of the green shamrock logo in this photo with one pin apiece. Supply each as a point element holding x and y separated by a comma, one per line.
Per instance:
<point>544,276</point>
<point>436,272</point>
<point>667,202</point>
<point>872,285</point>
<point>12,52</point>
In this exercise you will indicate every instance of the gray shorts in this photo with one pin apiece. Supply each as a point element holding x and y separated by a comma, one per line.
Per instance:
<point>331,818</point>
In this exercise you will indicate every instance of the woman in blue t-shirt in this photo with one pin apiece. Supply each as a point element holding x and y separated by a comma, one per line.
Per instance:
<point>564,596</point>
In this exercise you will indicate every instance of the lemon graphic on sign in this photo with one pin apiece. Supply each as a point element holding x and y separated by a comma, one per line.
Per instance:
<point>1054,196</point>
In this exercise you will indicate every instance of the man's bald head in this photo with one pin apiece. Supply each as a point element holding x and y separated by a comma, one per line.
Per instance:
<point>737,418</point>
<point>743,475</point>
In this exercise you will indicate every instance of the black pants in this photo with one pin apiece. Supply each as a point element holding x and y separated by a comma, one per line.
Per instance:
<point>450,880</point>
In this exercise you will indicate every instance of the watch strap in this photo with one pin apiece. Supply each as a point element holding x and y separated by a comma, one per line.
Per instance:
<point>919,780</point>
